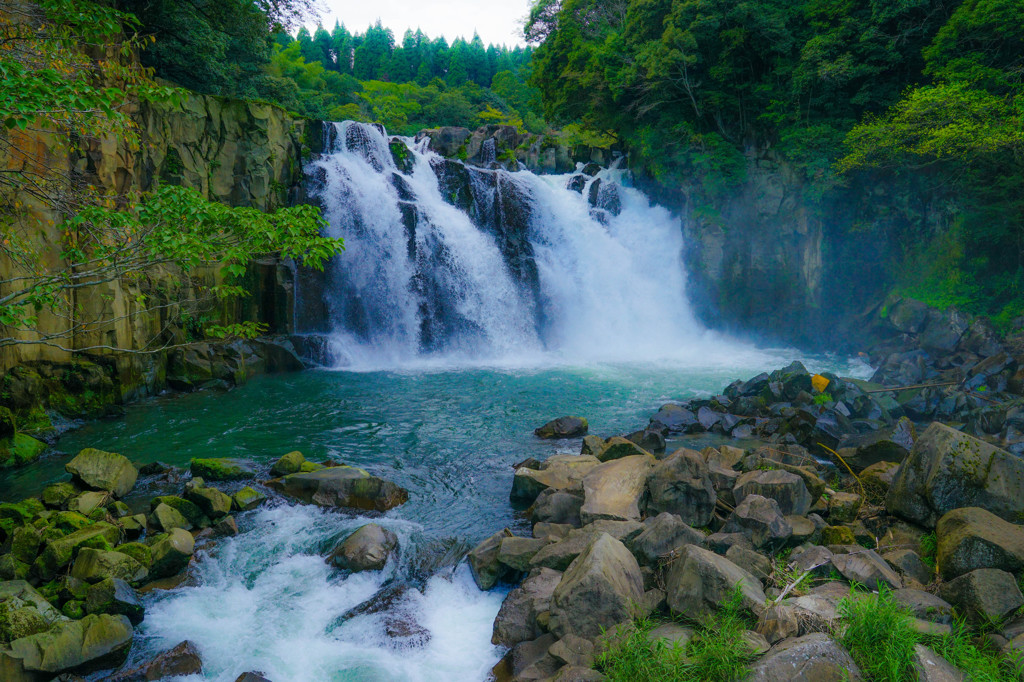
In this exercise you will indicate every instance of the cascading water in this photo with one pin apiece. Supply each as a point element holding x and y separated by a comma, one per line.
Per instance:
<point>487,265</point>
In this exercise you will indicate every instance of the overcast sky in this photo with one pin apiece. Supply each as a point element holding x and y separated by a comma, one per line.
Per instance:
<point>496,22</point>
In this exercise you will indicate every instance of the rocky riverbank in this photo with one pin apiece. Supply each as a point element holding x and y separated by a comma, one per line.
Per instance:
<point>829,501</point>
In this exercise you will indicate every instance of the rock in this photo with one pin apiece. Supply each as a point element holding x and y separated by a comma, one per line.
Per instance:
<point>211,501</point>
<point>931,667</point>
<point>947,470</point>
<point>247,498</point>
<point>99,470</point>
<point>560,554</point>
<point>516,552</point>
<point>189,510</point>
<point>888,444</point>
<point>676,419</point>
<point>180,661</point>
<point>837,535</point>
<point>251,677</point>
<point>116,597</point>
<point>517,619</point>
<point>558,507</point>
<point>483,561</point>
<point>573,651</point>
<point>878,478</point>
<point>559,472</point>
<point>612,490</point>
<point>86,503</point>
<point>865,567</point>
<point>59,552</point>
<point>671,635</point>
<point>530,660</point>
<point>222,469</point>
<point>815,657</point>
<point>983,595</point>
<point>699,582</point>
<point>575,673</point>
<point>367,549</point>
<point>662,535</point>
<point>680,485</point>
<point>171,554</point>
<point>924,605</point>
<point>909,565</point>
<point>761,520</point>
<point>57,495</point>
<point>93,643</point>
<point>600,589</point>
<point>750,561</point>
<point>343,486</point>
<point>288,464</point>
<point>166,518</point>
<point>971,538</point>
<point>563,427</point>
<point>94,565</point>
<point>787,489</point>
<point>617,447</point>
<point>843,507</point>
<point>592,445</point>
<point>225,527</point>
<point>778,623</point>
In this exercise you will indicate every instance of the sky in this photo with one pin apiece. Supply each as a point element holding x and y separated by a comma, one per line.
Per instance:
<point>497,22</point>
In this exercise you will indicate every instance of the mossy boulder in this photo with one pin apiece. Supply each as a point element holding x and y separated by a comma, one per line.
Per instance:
<point>138,551</point>
<point>59,553</point>
<point>247,498</point>
<point>211,501</point>
<point>73,608</point>
<point>57,495</point>
<point>94,565</point>
<point>20,449</point>
<point>171,554</point>
<point>89,502</point>
<point>95,642</point>
<point>68,522</point>
<point>25,544</point>
<point>837,535</point>
<point>288,464</point>
<point>99,470</point>
<point>222,469</point>
<point>188,509</point>
<point>167,518</point>
<point>115,596</point>
<point>21,512</point>
<point>17,621</point>
<point>343,486</point>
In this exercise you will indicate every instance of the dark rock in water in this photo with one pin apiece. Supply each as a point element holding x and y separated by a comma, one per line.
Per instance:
<point>171,554</point>
<point>95,642</point>
<point>563,427</point>
<point>591,169</point>
<point>605,195</point>
<point>648,439</point>
<point>367,549</point>
<point>437,555</point>
<point>222,469</point>
<point>576,183</point>
<point>557,506</point>
<point>251,677</point>
<point>947,470</point>
<point>182,660</point>
<point>155,469</point>
<point>343,486</point>
<point>484,564</point>
<point>116,597</point>
<point>676,419</point>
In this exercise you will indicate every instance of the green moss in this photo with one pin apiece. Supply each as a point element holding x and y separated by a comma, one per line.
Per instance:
<point>74,609</point>
<point>18,622</point>
<point>137,551</point>
<point>220,469</point>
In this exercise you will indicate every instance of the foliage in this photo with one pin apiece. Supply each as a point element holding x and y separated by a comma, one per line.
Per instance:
<point>880,636</point>
<point>63,237</point>
<point>823,398</point>
<point>717,653</point>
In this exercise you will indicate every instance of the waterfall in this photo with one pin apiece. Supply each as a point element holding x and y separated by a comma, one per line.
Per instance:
<point>459,263</point>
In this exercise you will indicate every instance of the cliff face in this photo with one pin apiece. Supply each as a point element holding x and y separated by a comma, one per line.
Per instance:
<point>239,153</point>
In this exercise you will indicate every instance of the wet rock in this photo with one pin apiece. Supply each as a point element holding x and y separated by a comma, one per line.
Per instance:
<point>600,589</point>
<point>557,506</point>
<point>814,657</point>
<point>483,561</point>
<point>676,419</point>
<point>517,619</point>
<point>166,518</point>
<point>92,643</point>
<point>612,490</point>
<point>559,472</point>
<point>563,427</point>
<point>699,582</point>
<point>210,501</point>
<point>787,489</point>
<point>290,463</point>
<point>866,567</point>
<point>560,554</point>
<point>367,549</point>
<point>649,440</point>
<point>222,469</point>
<point>517,553</point>
<point>116,597</point>
<point>225,527</point>
<point>59,552</point>
<point>93,565</point>
<point>99,470</point>
<point>171,554</point>
<point>661,536</point>
<point>971,538</point>
<point>251,677</point>
<point>247,498</point>
<point>180,661</point>
<point>681,485</point>
<point>947,470</point>
<point>618,447</point>
<point>983,595</point>
<point>760,519</point>
<point>343,486</point>
<point>888,444</point>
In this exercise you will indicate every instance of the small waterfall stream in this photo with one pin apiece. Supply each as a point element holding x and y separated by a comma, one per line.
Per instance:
<point>470,264</point>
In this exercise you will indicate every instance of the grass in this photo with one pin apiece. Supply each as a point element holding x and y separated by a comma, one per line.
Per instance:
<point>717,652</point>
<point>879,634</point>
<point>929,545</point>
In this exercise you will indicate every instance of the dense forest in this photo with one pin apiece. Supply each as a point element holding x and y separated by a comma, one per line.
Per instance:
<point>240,49</point>
<point>921,94</point>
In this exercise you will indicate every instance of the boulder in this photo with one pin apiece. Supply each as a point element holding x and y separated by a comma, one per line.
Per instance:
<point>787,489</point>
<point>971,538</point>
<point>559,555</point>
<point>661,536</point>
<point>760,519</point>
<point>211,501</point>
<point>779,622</point>
<point>57,495</point>
<point>563,427</point>
<point>93,643</point>
<point>617,447</point>
<point>99,470</point>
<point>181,661</point>
<point>367,549</point>
<point>116,597</point>
<point>601,588</point>
<point>924,605</point>
<point>983,595</point>
<point>343,486</point>
<point>247,498</point>
<point>222,469</point>
<point>94,565</point>
<point>251,677</point>
<point>573,651</point>
<point>557,506</point>
<point>166,518</point>
<point>947,470</point>
<point>909,565</point>
<point>559,472</point>
<point>699,582</point>
<point>843,507</point>
<point>288,464</point>
<point>815,657</point>
<point>612,490</point>
<point>680,485</point>
<point>931,667</point>
<point>754,563</point>
<point>171,554</point>
<point>516,552</point>
<point>888,444</point>
<point>517,618</point>
<point>60,551</point>
<point>483,561</point>
<point>866,567</point>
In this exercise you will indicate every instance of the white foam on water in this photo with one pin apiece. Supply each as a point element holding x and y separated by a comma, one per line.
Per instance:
<point>267,601</point>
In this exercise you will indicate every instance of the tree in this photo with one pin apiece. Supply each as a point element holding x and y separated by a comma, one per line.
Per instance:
<point>54,98</point>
